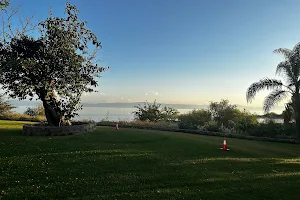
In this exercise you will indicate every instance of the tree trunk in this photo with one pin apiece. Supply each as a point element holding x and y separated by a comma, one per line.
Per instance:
<point>52,117</point>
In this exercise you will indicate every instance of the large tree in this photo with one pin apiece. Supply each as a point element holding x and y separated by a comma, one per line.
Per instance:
<point>280,90</point>
<point>57,67</point>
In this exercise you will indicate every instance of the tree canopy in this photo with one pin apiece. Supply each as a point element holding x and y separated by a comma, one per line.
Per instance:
<point>57,67</point>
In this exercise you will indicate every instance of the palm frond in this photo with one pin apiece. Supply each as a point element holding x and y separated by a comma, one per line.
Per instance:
<point>265,83</point>
<point>285,68</point>
<point>284,51</point>
<point>294,60</point>
<point>273,98</point>
<point>296,47</point>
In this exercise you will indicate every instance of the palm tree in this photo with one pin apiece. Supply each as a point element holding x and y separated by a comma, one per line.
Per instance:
<point>290,71</point>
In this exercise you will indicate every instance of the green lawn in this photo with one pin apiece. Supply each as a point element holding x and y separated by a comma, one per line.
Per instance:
<point>141,164</point>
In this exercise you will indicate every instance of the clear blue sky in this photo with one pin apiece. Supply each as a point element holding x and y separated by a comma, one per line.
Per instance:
<point>183,51</point>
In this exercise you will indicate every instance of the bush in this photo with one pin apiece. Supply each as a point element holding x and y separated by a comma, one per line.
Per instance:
<point>272,129</point>
<point>222,112</point>
<point>153,113</point>
<point>243,121</point>
<point>194,119</point>
<point>211,126</point>
<point>141,124</point>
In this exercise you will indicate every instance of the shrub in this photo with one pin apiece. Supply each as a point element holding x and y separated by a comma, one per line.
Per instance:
<point>211,126</point>
<point>153,113</point>
<point>272,129</point>
<point>289,130</point>
<point>194,119</point>
<point>222,112</point>
<point>243,121</point>
<point>141,124</point>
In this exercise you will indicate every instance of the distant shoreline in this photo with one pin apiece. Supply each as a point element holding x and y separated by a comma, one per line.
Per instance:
<point>251,109</point>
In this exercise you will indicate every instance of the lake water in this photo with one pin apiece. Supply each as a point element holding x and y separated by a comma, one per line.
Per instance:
<point>100,113</point>
<point>113,114</point>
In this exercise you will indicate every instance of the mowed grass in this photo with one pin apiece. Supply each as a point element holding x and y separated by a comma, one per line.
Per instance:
<point>142,164</point>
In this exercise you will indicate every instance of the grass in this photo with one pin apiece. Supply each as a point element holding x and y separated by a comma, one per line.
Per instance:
<point>21,117</point>
<point>144,164</point>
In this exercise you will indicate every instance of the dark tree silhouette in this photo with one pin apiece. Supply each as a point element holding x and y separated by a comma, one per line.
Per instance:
<point>289,69</point>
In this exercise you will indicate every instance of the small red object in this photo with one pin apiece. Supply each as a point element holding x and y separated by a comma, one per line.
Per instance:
<point>225,145</point>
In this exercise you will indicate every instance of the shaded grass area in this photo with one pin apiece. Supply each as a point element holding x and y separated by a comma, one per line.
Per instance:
<point>144,164</point>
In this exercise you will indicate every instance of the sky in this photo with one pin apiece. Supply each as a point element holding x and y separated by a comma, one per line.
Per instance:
<point>182,51</point>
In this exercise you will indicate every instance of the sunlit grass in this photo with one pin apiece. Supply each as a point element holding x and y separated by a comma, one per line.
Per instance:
<point>7,124</point>
<point>143,164</point>
<point>290,161</point>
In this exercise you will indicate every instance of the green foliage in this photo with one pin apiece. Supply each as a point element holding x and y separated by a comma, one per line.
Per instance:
<point>211,126</point>
<point>272,129</point>
<point>169,114</point>
<point>243,121</point>
<point>148,112</point>
<point>5,106</point>
<point>194,119</point>
<point>222,112</point>
<point>153,112</point>
<point>57,67</point>
<point>4,4</point>
<point>161,125</point>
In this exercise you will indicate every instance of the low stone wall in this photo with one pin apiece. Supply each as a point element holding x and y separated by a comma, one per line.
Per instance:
<point>42,130</point>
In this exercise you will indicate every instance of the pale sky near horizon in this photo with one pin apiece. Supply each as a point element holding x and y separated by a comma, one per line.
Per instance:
<point>183,51</point>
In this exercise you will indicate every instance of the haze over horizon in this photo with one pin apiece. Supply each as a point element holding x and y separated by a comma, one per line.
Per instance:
<point>22,105</point>
<point>183,51</point>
